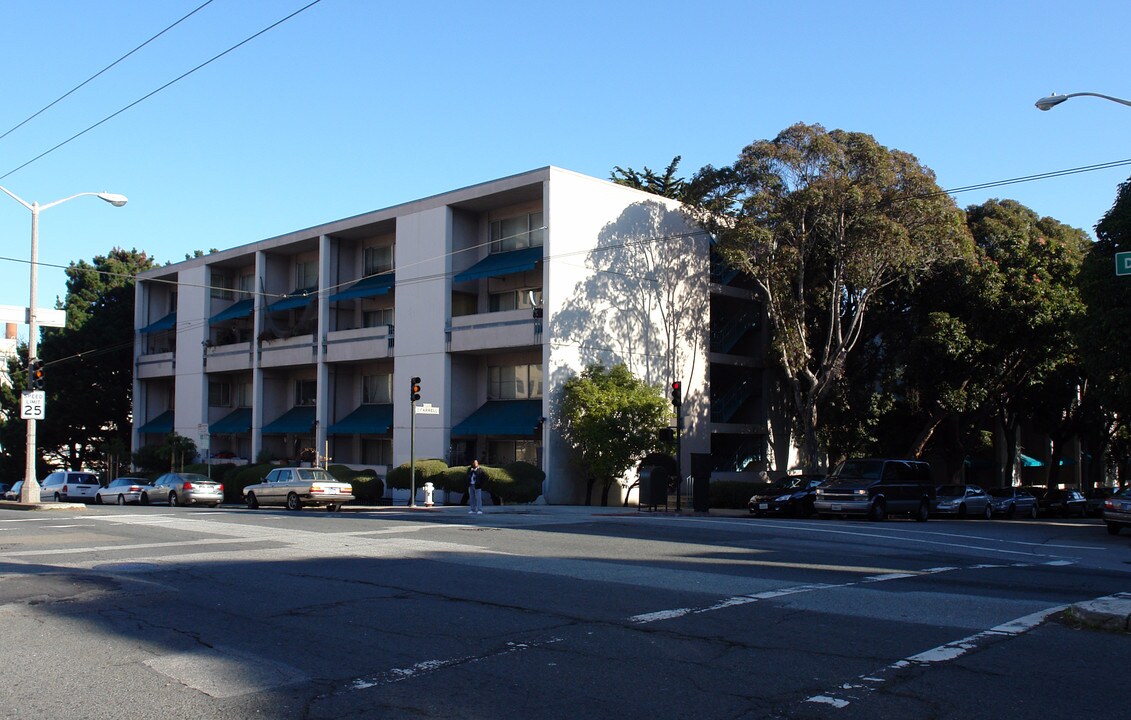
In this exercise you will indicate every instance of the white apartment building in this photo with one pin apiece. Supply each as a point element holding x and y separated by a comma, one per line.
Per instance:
<point>494,295</point>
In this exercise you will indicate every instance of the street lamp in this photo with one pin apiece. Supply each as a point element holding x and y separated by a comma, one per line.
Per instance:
<point>1048,103</point>
<point>29,492</point>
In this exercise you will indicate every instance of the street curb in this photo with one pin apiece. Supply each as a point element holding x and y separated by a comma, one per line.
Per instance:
<point>12,505</point>
<point>1109,614</point>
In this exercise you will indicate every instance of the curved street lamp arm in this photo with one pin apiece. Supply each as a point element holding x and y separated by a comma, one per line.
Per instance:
<point>1047,103</point>
<point>16,197</point>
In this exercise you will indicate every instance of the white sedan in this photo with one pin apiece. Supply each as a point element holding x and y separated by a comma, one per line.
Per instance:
<point>297,488</point>
<point>123,490</point>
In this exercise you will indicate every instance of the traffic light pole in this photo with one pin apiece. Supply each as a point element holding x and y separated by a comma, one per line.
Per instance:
<point>677,403</point>
<point>413,396</point>
<point>29,491</point>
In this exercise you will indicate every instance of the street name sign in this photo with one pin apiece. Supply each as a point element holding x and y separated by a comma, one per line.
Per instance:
<point>43,316</point>
<point>1123,263</point>
<point>33,405</point>
<point>427,409</point>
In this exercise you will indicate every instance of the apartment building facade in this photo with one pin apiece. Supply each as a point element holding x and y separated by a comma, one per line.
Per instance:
<point>304,345</point>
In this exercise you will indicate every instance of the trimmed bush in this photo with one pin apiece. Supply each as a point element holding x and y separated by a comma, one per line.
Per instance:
<point>367,487</point>
<point>400,477</point>
<point>516,483</point>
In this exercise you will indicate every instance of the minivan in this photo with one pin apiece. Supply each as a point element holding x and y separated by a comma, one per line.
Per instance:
<point>876,488</point>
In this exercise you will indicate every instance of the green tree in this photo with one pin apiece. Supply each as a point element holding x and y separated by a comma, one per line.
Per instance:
<point>824,222</point>
<point>611,419</point>
<point>667,184</point>
<point>1102,332</point>
<point>88,364</point>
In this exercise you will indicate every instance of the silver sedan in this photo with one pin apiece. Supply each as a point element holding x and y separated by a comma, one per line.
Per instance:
<point>123,490</point>
<point>963,501</point>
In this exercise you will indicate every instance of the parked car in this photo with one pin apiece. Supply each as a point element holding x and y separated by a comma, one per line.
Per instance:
<point>1117,511</point>
<point>963,501</point>
<point>13,493</point>
<point>69,485</point>
<point>123,490</point>
<point>876,488</point>
<point>1096,498</point>
<point>184,489</point>
<point>1013,502</point>
<point>789,495</point>
<point>4,487</point>
<point>1059,503</point>
<point>297,488</point>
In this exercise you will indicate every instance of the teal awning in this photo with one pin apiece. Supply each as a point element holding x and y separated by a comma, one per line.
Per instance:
<point>1027,461</point>
<point>295,300</point>
<point>499,264</point>
<point>234,311</point>
<point>296,421</point>
<point>166,323</point>
<point>234,423</point>
<point>366,287</point>
<point>502,417</point>
<point>162,424</point>
<point>366,420</point>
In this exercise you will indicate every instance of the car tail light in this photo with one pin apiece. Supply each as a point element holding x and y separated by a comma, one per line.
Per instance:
<point>220,488</point>
<point>135,488</point>
<point>64,488</point>
<point>186,486</point>
<point>1109,504</point>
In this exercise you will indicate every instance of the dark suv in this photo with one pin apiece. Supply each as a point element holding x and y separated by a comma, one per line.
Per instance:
<point>877,488</point>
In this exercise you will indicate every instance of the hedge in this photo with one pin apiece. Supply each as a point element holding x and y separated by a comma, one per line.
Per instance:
<point>516,483</point>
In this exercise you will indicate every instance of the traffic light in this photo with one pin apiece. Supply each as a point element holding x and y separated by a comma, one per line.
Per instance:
<point>677,398</point>
<point>35,374</point>
<point>415,394</point>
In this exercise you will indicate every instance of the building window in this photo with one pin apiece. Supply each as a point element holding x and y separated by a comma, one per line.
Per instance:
<point>517,233</point>
<point>376,451</point>
<point>219,394</point>
<point>514,382</point>
<point>378,259</point>
<point>243,392</point>
<point>515,299</point>
<point>306,392</point>
<point>377,389</point>
<point>306,274</point>
<point>505,452</point>
<point>221,286</point>
<point>377,318</point>
<point>247,285</point>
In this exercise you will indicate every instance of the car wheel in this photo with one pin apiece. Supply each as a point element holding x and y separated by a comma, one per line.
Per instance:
<point>173,502</point>
<point>144,498</point>
<point>333,507</point>
<point>1011,511</point>
<point>97,499</point>
<point>878,511</point>
<point>962,510</point>
<point>58,498</point>
<point>988,513</point>
<point>293,503</point>
<point>252,503</point>
<point>1112,528</point>
<point>924,512</point>
<point>1033,512</point>
<point>121,499</point>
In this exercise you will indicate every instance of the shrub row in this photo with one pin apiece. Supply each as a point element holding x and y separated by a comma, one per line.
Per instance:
<point>517,482</point>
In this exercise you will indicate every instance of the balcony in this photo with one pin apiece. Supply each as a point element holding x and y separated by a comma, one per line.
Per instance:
<point>284,352</point>
<point>490,331</point>
<point>359,344</point>
<point>225,358</point>
<point>157,364</point>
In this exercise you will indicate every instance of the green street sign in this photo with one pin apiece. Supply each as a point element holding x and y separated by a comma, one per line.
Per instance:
<point>1123,263</point>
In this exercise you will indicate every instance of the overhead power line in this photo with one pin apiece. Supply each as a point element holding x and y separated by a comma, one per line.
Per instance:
<point>67,94</point>
<point>145,97</point>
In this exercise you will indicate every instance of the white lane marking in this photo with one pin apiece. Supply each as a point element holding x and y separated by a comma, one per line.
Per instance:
<point>851,692</point>
<point>902,534</point>
<point>426,667</point>
<point>140,546</point>
<point>673,613</point>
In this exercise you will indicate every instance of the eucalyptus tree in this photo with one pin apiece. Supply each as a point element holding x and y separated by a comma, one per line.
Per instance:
<point>824,222</point>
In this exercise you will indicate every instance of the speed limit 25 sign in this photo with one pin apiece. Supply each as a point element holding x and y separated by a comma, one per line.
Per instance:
<point>33,403</point>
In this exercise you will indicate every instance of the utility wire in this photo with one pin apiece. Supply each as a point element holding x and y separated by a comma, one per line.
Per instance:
<point>67,94</point>
<point>154,92</point>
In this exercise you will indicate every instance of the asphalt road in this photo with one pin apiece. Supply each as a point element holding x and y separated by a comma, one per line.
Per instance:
<point>542,612</point>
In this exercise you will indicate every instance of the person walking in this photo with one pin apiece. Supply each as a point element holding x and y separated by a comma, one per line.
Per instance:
<point>475,479</point>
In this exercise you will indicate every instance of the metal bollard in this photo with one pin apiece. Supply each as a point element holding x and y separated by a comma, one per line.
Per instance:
<point>428,487</point>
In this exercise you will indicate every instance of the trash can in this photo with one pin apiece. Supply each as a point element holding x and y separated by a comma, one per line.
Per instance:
<point>653,487</point>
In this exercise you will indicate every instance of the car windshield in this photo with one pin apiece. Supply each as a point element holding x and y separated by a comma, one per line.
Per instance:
<point>952,490</point>
<point>194,477</point>
<point>864,469</point>
<point>84,478</point>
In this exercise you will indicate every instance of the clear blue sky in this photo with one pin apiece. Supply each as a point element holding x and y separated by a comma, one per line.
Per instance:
<point>356,105</point>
